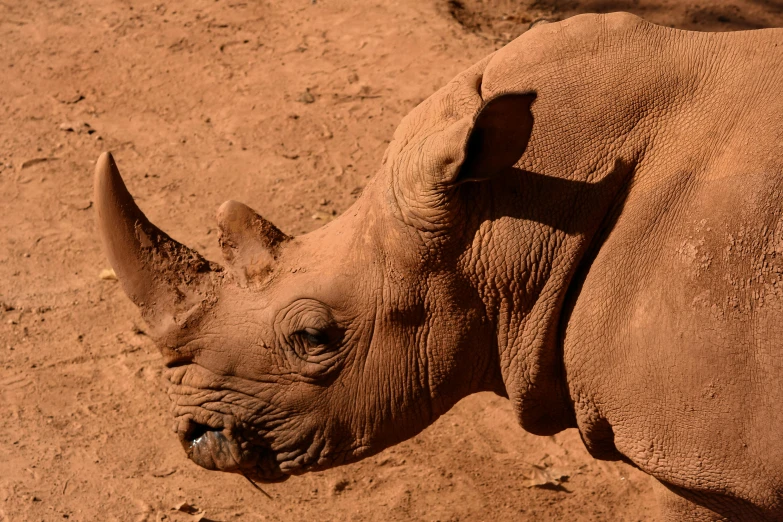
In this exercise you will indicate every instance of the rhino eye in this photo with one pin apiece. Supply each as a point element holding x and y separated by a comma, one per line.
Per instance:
<point>310,341</point>
<point>310,338</point>
<point>314,336</point>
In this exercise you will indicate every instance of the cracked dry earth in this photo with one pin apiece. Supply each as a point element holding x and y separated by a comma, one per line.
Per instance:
<point>288,107</point>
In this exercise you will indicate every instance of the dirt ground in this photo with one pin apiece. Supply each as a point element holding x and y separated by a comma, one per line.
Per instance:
<point>286,106</point>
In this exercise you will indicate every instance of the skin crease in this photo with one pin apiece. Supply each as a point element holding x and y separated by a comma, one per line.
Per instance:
<point>586,222</point>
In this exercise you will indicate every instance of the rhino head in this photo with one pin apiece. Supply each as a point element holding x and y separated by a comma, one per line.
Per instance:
<point>302,353</point>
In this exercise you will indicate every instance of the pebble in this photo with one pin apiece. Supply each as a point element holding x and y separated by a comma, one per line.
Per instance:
<point>307,97</point>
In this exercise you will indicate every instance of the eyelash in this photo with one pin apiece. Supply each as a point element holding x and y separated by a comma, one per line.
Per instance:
<point>314,337</point>
<point>309,342</point>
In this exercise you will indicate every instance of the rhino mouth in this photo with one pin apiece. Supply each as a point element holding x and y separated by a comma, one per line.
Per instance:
<point>221,449</point>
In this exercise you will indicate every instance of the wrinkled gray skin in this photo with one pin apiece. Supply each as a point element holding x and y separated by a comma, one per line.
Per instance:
<point>587,221</point>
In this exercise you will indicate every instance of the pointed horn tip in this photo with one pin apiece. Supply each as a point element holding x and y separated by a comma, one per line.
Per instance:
<point>107,181</point>
<point>105,165</point>
<point>234,209</point>
<point>241,223</point>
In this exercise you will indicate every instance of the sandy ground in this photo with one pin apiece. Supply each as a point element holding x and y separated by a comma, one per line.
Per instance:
<point>287,106</point>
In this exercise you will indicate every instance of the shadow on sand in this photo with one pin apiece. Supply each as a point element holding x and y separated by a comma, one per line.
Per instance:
<point>504,20</point>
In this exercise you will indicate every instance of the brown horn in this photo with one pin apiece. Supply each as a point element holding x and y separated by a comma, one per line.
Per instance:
<point>248,241</point>
<point>164,278</point>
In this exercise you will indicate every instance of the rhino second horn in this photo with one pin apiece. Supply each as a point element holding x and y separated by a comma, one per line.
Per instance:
<point>164,278</point>
<point>248,241</point>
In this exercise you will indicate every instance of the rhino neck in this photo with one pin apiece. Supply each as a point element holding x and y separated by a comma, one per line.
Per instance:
<point>526,248</point>
<point>591,129</point>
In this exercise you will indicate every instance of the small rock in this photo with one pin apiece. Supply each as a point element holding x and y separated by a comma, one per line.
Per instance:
<point>79,127</point>
<point>107,274</point>
<point>138,331</point>
<point>164,473</point>
<point>365,91</point>
<point>307,97</point>
<point>321,216</point>
<point>340,486</point>
<point>69,98</point>
<point>186,508</point>
<point>82,205</point>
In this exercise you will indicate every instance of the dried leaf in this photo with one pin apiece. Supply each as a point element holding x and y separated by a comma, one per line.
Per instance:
<point>546,478</point>
<point>35,161</point>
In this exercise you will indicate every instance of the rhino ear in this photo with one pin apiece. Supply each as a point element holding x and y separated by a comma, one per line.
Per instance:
<point>498,138</point>
<point>249,242</point>
<point>459,149</point>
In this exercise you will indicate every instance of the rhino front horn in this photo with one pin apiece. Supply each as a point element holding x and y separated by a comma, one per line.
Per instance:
<point>165,279</point>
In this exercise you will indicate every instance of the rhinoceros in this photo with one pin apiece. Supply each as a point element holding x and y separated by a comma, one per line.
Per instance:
<point>587,222</point>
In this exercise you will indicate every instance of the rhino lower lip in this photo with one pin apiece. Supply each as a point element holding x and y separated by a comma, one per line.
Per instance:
<point>211,449</point>
<point>215,449</point>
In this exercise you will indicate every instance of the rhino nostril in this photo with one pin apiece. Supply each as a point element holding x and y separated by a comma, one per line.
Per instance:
<point>177,360</point>
<point>195,431</point>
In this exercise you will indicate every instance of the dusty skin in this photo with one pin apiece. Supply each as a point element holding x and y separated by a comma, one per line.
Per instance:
<point>287,108</point>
